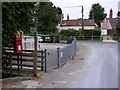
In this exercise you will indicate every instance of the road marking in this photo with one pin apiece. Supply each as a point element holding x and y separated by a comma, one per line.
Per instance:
<point>70,82</point>
<point>83,70</point>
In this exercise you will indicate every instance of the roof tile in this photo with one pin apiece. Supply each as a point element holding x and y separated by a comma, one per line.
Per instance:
<point>87,22</point>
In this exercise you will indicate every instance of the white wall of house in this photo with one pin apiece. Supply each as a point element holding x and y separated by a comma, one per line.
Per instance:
<point>104,32</point>
<point>89,27</point>
<point>70,27</point>
<point>75,27</point>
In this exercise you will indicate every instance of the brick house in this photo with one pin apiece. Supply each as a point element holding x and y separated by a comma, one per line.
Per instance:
<point>77,24</point>
<point>110,24</point>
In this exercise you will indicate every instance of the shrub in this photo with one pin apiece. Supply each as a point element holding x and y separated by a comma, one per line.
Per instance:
<point>70,33</point>
<point>91,32</point>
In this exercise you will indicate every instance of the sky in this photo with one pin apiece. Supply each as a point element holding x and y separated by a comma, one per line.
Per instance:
<point>69,7</point>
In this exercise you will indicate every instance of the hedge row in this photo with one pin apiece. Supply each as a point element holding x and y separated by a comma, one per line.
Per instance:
<point>93,32</point>
<point>70,33</point>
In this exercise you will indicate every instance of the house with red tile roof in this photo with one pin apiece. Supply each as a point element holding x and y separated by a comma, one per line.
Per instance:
<point>77,24</point>
<point>109,25</point>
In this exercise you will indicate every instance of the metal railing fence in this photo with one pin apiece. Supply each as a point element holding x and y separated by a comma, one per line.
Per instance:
<point>56,58</point>
<point>89,37</point>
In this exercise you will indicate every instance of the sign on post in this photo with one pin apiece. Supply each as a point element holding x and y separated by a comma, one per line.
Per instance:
<point>32,29</point>
<point>61,54</point>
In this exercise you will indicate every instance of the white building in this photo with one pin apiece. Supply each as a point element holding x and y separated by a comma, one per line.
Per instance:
<point>77,24</point>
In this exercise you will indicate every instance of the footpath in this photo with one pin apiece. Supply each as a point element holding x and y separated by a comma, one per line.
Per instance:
<point>108,39</point>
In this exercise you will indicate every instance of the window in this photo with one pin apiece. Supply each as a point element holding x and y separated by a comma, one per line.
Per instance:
<point>80,23</point>
<point>63,23</point>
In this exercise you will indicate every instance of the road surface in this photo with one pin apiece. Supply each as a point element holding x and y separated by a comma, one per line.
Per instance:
<point>94,66</point>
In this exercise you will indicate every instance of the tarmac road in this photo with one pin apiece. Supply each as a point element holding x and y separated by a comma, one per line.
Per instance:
<point>94,66</point>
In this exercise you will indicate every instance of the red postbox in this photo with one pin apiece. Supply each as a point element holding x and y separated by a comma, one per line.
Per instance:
<point>18,45</point>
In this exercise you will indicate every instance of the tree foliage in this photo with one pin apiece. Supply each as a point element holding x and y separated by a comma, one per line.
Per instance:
<point>15,16</point>
<point>70,32</point>
<point>97,12</point>
<point>20,16</point>
<point>92,32</point>
<point>47,16</point>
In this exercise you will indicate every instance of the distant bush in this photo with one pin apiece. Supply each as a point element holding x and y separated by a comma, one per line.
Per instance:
<point>92,32</point>
<point>70,33</point>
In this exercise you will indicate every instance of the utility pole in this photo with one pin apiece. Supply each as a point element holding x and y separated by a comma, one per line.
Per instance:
<point>35,51</point>
<point>61,18</point>
<point>82,14</point>
<point>82,18</point>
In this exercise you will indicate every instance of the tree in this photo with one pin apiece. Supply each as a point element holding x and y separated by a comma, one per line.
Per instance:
<point>118,14</point>
<point>59,14</point>
<point>47,13</point>
<point>22,15</point>
<point>97,13</point>
<point>15,16</point>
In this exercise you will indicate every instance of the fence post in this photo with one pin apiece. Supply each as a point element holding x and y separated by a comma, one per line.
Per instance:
<point>21,60</point>
<point>45,53</point>
<point>18,62</point>
<point>35,65</point>
<point>92,37</point>
<point>35,55</point>
<point>83,37</point>
<point>74,49</point>
<point>10,64</point>
<point>101,37</point>
<point>25,44</point>
<point>75,46</point>
<point>42,66</point>
<point>58,54</point>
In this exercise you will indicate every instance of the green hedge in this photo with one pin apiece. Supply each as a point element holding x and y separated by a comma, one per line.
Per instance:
<point>93,32</point>
<point>70,33</point>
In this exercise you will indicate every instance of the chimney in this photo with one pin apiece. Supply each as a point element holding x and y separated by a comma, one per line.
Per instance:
<point>67,17</point>
<point>111,14</point>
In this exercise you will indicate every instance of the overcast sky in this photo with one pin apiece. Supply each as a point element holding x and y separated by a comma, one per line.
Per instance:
<point>75,12</point>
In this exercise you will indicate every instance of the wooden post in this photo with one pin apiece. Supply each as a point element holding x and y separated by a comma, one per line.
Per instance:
<point>35,52</point>
<point>101,37</point>
<point>21,61</point>
<point>45,53</point>
<point>35,56</point>
<point>42,66</point>
<point>18,62</point>
<point>92,37</point>
<point>83,37</point>
<point>10,64</point>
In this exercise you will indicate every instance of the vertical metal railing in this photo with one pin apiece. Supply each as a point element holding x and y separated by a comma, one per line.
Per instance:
<point>58,57</point>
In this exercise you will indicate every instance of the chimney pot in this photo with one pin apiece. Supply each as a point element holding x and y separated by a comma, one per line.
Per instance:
<point>67,17</point>
<point>111,14</point>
